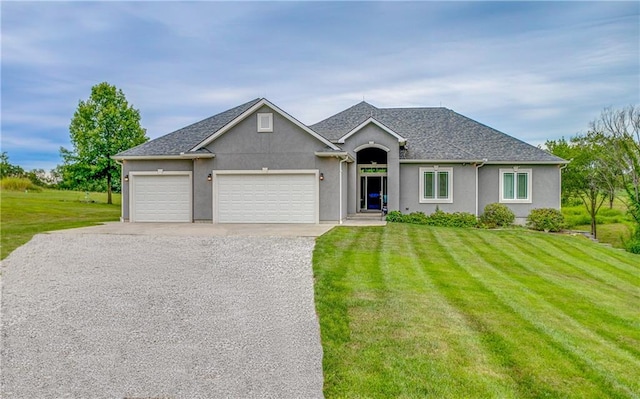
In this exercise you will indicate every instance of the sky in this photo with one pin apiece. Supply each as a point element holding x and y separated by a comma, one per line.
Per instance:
<point>534,70</point>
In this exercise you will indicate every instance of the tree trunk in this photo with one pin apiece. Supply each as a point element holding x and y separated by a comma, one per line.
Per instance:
<point>109,189</point>
<point>593,215</point>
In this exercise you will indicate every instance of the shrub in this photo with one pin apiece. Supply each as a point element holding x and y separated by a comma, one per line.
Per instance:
<point>633,246</point>
<point>438,218</point>
<point>456,219</point>
<point>497,215</point>
<point>18,184</point>
<point>395,216</point>
<point>545,219</point>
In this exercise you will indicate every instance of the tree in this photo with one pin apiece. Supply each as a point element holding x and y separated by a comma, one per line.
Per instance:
<point>102,126</point>
<point>585,175</point>
<point>619,131</point>
<point>7,169</point>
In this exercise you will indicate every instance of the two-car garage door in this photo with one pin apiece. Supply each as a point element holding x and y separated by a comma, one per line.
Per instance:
<point>238,197</point>
<point>265,197</point>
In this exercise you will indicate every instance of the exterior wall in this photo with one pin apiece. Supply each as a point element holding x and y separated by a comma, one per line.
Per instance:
<point>372,133</point>
<point>287,147</point>
<point>464,187</point>
<point>545,188</point>
<point>149,166</point>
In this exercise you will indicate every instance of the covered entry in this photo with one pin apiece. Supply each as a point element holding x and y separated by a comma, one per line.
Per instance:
<point>372,179</point>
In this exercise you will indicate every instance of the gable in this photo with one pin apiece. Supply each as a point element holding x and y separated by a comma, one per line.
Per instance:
<point>252,110</point>
<point>372,121</point>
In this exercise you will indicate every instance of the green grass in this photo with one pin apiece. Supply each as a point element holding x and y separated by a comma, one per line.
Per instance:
<point>24,214</point>
<point>412,311</point>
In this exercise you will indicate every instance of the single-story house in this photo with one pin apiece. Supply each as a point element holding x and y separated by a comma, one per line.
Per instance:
<point>255,163</point>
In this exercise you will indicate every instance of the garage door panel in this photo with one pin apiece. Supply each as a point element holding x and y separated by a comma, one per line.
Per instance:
<point>161,198</point>
<point>260,198</point>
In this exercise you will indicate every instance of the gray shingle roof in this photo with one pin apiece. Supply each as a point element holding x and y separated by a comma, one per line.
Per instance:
<point>431,133</point>
<point>184,139</point>
<point>436,134</point>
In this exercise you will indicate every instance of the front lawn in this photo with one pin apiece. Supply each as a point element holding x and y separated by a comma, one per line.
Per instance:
<point>24,214</point>
<point>416,311</point>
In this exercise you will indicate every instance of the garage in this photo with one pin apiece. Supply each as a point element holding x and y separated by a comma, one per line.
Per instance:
<point>265,197</point>
<point>160,197</point>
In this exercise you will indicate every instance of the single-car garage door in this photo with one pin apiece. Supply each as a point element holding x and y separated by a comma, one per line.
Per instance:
<point>266,198</point>
<point>161,197</point>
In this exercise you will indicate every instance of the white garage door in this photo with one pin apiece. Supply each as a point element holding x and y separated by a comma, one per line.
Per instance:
<point>161,198</point>
<point>266,198</point>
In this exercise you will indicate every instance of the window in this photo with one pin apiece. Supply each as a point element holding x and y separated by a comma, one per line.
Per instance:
<point>436,185</point>
<point>265,122</point>
<point>515,185</point>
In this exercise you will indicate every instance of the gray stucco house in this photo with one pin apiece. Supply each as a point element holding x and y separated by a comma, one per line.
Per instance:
<point>255,163</point>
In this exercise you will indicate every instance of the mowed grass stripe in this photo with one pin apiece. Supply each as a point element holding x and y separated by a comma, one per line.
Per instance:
<point>624,266</point>
<point>506,336</point>
<point>608,312</point>
<point>448,313</point>
<point>540,254</point>
<point>611,363</point>
<point>575,365</point>
<point>455,341</point>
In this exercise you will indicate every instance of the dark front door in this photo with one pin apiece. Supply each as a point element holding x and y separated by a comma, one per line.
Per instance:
<point>373,192</point>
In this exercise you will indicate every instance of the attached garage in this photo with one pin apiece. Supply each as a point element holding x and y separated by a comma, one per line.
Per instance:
<point>265,196</point>
<point>160,197</point>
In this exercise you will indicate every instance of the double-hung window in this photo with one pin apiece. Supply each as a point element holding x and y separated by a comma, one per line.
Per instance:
<point>436,185</point>
<point>515,185</point>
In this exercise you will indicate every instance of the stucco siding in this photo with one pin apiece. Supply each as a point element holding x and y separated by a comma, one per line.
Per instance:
<point>464,199</point>
<point>545,188</point>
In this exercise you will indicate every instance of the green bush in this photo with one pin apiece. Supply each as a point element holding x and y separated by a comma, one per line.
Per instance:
<point>18,184</point>
<point>438,218</point>
<point>545,219</point>
<point>395,216</point>
<point>497,215</point>
<point>456,219</point>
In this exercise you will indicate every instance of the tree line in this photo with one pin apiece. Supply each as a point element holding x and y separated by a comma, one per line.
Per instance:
<point>604,164</point>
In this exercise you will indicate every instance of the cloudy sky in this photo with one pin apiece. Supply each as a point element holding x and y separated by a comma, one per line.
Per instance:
<point>534,70</point>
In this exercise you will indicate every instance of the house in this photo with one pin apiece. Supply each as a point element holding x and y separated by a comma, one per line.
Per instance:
<point>255,163</point>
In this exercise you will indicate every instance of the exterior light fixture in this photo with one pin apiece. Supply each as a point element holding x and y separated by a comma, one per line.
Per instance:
<point>209,177</point>
<point>126,177</point>
<point>321,176</point>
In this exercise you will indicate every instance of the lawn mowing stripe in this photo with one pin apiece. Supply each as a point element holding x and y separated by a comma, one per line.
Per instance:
<point>469,356</point>
<point>607,273</point>
<point>521,300</point>
<point>623,261</point>
<point>331,294</point>
<point>581,302</point>
<point>476,303</point>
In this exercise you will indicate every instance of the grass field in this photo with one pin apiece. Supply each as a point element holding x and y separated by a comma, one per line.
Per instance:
<point>614,226</point>
<point>24,214</point>
<point>412,311</point>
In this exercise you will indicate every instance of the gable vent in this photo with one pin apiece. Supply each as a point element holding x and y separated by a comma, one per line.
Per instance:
<point>265,122</point>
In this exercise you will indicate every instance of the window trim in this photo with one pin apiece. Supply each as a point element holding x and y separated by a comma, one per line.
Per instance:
<point>269,117</point>
<point>437,200</point>
<point>515,171</point>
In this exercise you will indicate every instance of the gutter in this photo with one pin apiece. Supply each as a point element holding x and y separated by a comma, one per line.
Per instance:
<point>346,158</point>
<point>155,157</point>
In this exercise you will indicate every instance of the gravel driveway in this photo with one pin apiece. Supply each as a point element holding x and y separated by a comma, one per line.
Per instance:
<point>124,316</point>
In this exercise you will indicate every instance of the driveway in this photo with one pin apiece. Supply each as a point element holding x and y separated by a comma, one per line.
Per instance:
<point>133,315</point>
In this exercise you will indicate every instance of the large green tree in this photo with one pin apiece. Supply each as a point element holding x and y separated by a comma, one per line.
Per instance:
<point>102,126</point>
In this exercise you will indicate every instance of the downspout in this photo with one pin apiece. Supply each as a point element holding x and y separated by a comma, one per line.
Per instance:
<point>346,158</point>
<point>478,167</point>
<point>560,168</point>
<point>121,189</point>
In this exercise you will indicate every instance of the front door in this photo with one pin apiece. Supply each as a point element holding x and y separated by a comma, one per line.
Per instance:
<point>373,192</point>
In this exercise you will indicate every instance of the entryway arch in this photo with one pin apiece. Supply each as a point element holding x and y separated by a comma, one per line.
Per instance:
<point>371,160</point>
